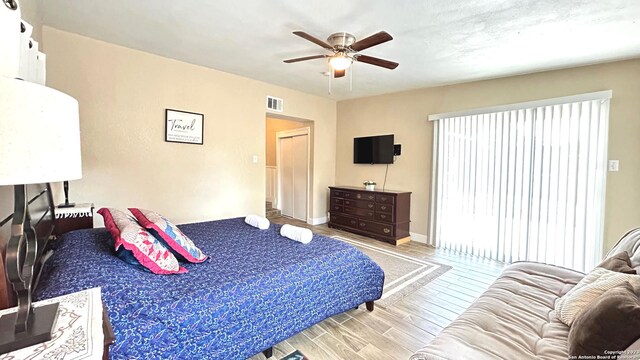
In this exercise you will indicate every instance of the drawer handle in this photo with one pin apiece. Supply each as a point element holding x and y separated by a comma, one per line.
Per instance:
<point>383,216</point>
<point>358,196</point>
<point>383,198</point>
<point>370,197</point>
<point>386,230</point>
<point>370,206</point>
<point>363,224</point>
<point>336,207</point>
<point>383,207</point>
<point>353,222</point>
<point>347,202</point>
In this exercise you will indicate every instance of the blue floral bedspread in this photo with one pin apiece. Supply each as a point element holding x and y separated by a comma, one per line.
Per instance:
<point>257,289</point>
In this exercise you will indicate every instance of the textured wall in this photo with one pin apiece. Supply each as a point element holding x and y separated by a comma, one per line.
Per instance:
<point>405,115</point>
<point>123,94</point>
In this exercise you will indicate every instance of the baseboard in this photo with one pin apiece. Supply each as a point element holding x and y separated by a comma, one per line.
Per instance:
<point>418,237</point>
<point>317,221</point>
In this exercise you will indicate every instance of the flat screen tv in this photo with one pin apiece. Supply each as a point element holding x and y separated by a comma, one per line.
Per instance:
<point>373,150</point>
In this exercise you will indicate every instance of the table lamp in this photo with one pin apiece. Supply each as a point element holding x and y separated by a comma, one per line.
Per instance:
<point>40,143</point>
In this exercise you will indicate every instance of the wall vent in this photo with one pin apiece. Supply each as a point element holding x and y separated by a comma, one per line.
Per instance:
<point>274,103</point>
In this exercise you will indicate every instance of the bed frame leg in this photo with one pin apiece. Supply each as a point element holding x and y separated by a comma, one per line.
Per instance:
<point>370,305</point>
<point>268,353</point>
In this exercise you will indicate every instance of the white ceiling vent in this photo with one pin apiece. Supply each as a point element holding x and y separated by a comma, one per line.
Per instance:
<point>275,104</point>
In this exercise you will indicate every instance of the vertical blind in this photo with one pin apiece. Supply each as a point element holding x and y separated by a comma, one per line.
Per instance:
<point>525,183</point>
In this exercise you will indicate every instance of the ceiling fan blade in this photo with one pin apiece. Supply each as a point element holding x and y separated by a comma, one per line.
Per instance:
<point>306,58</point>
<point>377,62</point>
<point>372,40</point>
<point>313,39</point>
<point>339,73</point>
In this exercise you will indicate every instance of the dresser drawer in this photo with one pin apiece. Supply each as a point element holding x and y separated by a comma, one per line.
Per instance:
<point>363,213</point>
<point>336,193</point>
<point>376,228</point>
<point>359,204</point>
<point>365,196</point>
<point>380,216</point>
<point>357,195</point>
<point>385,199</point>
<point>337,201</point>
<point>344,220</point>
<point>337,208</point>
<point>386,208</point>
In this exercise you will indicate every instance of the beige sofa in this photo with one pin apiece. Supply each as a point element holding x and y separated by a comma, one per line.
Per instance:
<point>515,317</point>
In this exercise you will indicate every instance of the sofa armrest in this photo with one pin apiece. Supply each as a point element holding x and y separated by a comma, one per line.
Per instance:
<point>632,352</point>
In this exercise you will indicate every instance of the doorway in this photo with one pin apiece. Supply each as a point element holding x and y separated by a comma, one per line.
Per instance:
<point>292,151</point>
<point>290,190</point>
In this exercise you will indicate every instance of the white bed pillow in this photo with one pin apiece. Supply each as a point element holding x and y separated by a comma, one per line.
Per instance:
<point>588,289</point>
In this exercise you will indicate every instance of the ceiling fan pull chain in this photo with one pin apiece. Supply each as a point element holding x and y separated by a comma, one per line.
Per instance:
<point>331,74</point>
<point>351,79</point>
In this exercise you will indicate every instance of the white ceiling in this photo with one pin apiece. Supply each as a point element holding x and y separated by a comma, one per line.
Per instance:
<point>436,42</point>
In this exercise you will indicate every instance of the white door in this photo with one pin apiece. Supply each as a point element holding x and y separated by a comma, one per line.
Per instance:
<point>286,176</point>
<point>299,150</point>
<point>293,163</point>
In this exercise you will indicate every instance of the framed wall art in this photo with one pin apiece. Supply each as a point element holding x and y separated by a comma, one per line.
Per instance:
<point>184,127</point>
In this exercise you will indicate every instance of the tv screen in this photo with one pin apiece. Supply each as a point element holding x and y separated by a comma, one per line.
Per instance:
<point>373,150</point>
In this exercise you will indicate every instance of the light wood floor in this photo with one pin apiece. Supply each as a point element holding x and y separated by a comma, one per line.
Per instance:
<point>405,327</point>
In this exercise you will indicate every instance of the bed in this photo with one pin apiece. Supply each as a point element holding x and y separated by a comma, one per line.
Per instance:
<point>256,290</point>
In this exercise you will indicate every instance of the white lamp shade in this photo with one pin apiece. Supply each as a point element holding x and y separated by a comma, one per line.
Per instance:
<point>39,134</point>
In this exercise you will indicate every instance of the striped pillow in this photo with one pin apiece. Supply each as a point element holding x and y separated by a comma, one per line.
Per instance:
<point>589,289</point>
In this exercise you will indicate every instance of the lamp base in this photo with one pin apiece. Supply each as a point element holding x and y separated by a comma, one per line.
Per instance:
<point>67,205</point>
<point>40,327</point>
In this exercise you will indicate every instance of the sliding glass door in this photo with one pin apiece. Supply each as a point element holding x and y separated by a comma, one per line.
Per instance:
<point>524,183</point>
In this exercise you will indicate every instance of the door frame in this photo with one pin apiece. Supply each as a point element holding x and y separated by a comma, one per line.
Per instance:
<point>291,133</point>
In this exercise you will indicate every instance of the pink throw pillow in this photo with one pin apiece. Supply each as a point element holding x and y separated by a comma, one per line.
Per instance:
<point>145,248</point>
<point>173,238</point>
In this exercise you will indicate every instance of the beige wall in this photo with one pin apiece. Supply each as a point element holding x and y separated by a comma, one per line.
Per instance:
<point>123,94</point>
<point>405,115</point>
<point>273,126</point>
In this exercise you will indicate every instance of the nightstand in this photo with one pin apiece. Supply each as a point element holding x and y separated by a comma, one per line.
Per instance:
<point>73,218</point>
<point>109,337</point>
<point>82,330</point>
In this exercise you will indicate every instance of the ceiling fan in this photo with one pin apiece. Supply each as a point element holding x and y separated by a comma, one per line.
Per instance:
<point>346,50</point>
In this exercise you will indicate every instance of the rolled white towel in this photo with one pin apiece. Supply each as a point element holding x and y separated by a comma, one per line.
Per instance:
<point>296,233</point>
<point>260,222</point>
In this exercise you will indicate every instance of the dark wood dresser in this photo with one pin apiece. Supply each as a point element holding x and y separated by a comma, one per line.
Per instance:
<point>382,215</point>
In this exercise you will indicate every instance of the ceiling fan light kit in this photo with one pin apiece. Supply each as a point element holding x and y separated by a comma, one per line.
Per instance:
<point>345,50</point>
<point>340,61</point>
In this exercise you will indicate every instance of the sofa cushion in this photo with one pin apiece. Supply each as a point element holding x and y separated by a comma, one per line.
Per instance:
<point>589,289</point>
<point>513,319</point>
<point>619,262</point>
<point>610,323</point>
<point>630,242</point>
